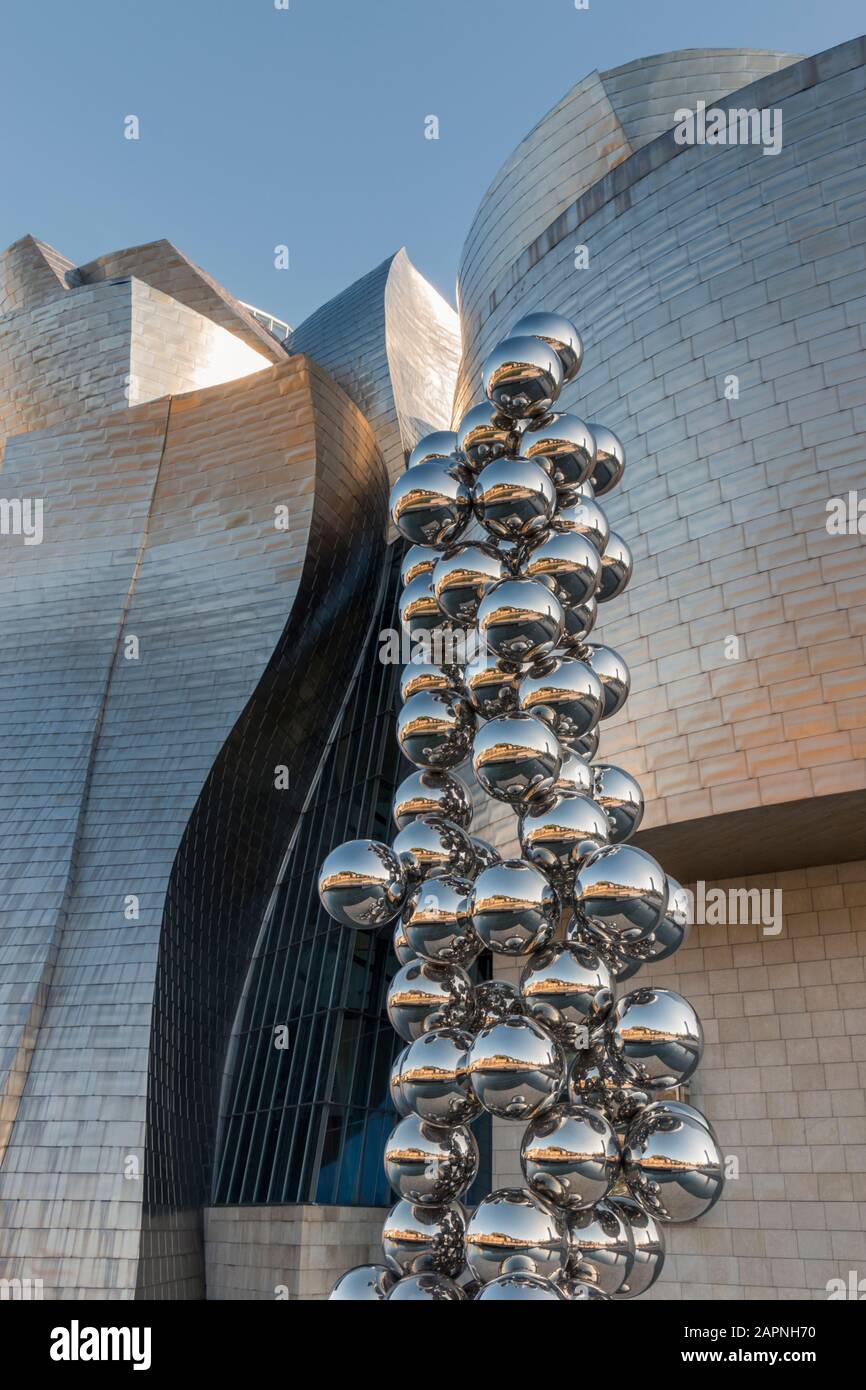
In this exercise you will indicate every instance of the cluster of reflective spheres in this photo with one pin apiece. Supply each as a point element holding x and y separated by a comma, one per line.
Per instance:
<point>509,544</point>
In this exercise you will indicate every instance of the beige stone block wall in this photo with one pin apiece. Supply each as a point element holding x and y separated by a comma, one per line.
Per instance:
<point>294,1252</point>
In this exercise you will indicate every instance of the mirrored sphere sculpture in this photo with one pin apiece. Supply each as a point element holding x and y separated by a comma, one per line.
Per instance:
<point>422,996</point>
<point>567,988</point>
<point>575,777</point>
<point>598,1080</point>
<point>435,729</point>
<point>620,797</point>
<point>520,620</point>
<point>461,579</point>
<point>514,499</point>
<point>577,1291</point>
<point>437,923</point>
<point>516,758</point>
<point>559,333</point>
<point>601,1247</point>
<point>495,1000</point>
<point>402,950</point>
<point>438,445</point>
<point>362,884</point>
<point>423,678</point>
<point>517,1068</point>
<point>514,908</point>
<point>658,1033</point>
<point>429,1164</point>
<point>614,675</point>
<point>673,1166</point>
<point>485,855</point>
<point>431,504</point>
<point>568,561</point>
<point>609,459</point>
<point>395,1084</point>
<point>491,684</point>
<point>622,890</point>
<point>617,564</point>
<point>522,377</point>
<point>519,1288</point>
<point>513,1232</point>
<point>419,611</point>
<point>426,1288</point>
<point>418,1239</point>
<point>427,793</point>
<point>584,517</point>
<point>434,1078</point>
<point>570,1156</point>
<point>364,1284</point>
<point>566,694</point>
<point>419,559</point>
<point>433,845</point>
<point>558,833</point>
<point>570,447</point>
<point>672,931</point>
<point>484,435</point>
<point>649,1248</point>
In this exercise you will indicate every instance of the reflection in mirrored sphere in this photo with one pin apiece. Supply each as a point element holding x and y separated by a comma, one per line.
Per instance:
<point>395,1087</point>
<point>520,620</point>
<point>437,923</point>
<point>620,796</point>
<point>658,1033</point>
<point>605,1084</point>
<point>430,1164</point>
<point>484,435</point>
<point>579,623</point>
<point>514,1288</point>
<point>516,1068</point>
<point>559,333</point>
<point>495,1000</point>
<point>569,562</point>
<point>435,729</point>
<point>362,884</point>
<point>570,1156</point>
<point>434,1078</point>
<point>577,1291</point>
<point>402,950</point>
<point>601,1247</point>
<point>427,793</point>
<point>491,684</point>
<point>419,559</point>
<point>569,445</point>
<point>516,758</point>
<point>364,1284</point>
<point>584,517</point>
<point>422,996</point>
<point>438,445</point>
<point>617,565</point>
<point>461,579</point>
<point>649,1248</point>
<point>566,694</point>
<point>614,675</point>
<point>673,1166</point>
<point>609,458</point>
<point>422,678</point>
<point>424,1239</point>
<point>622,890</point>
<point>514,1232</point>
<point>522,377</point>
<point>433,845</point>
<point>672,931</point>
<point>514,908</point>
<point>567,988</point>
<point>485,855</point>
<point>431,504</point>
<point>575,777</point>
<point>557,834</point>
<point>514,499</point>
<point>426,1288</point>
<point>419,611</point>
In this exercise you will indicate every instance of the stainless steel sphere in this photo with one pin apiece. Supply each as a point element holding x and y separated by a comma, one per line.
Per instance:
<point>658,1033</point>
<point>517,1068</point>
<point>364,1284</point>
<point>362,884</point>
<point>569,445</point>
<point>485,855</point>
<point>586,747</point>
<point>520,620</point>
<point>605,1084</point>
<point>620,797</point>
<point>437,923</point>
<point>623,891</point>
<point>441,444</point>
<point>402,950</point>
<point>609,459</point>
<point>513,1232</point>
<point>431,504</point>
<point>570,1156</point>
<point>432,794</point>
<point>420,1239</point>
<point>418,609</point>
<point>678,1107</point>
<point>423,677</point>
<point>426,1288</point>
<point>516,1288</point>
<point>430,1164</point>
<point>617,566</point>
<point>461,579</point>
<point>620,963</point>
<point>516,757</point>
<point>575,777</point>
<point>491,684</point>
<point>569,562</point>
<point>522,377</point>
<point>584,517</point>
<point>433,845</point>
<point>559,333</point>
<point>558,833</point>
<point>577,1291</point>
<point>566,694</point>
<point>419,559</point>
<point>434,729</point>
<point>422,996</point>
<point>579,623</point>
<point>434,1078</point>
<point>514,908</point>
<point>514,499</point>
<point>649,1248</point>
<point>614,675</point>
<point>395,1085</point>
<point>671,932</point>
<point>673,1166</point>
<point>495,1000</point>
<point>567,988</point>
<point>601,1247</point>
<point>484,435</point>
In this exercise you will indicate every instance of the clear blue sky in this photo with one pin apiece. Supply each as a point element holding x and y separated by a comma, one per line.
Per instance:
<point>305,127</point>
